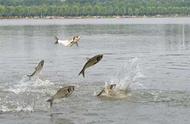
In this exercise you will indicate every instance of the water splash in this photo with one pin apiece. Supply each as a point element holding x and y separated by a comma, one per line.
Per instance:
<point>25,95</point>
<point>15,103</point>
<point>28,108</point>
<point>26,85</point>
<point>128,76</point>
<point>5,108</point>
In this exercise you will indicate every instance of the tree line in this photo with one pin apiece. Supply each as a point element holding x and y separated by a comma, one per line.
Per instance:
<point>43,8</point>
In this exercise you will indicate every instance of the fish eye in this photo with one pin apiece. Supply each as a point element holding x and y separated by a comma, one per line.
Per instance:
<point>99,57</point>
<point>68,90</point>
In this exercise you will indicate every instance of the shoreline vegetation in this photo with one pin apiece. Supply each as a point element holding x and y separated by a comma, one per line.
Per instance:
<point>94,17</point>
<point>52,9</point>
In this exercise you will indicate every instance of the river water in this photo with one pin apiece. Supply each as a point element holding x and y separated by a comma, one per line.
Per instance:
<point>150,54</point>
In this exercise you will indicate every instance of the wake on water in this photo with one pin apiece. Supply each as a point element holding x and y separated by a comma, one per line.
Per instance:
<point>24,95</point>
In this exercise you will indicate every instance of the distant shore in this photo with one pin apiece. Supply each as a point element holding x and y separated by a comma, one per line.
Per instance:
<point>94,17</point>
<point>94,21</point>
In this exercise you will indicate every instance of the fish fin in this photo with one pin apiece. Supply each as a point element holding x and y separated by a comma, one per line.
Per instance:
<point>82,72</point>
<point>56,38</point>
<point>50,101</point>
<point>100,92</point>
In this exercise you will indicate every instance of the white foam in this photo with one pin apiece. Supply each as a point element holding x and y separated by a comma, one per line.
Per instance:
<point>27,108</point>
<point>65,42</point>
<point>128,76</point>
<point>4,108</point>
<point>24,95</point>
<point>29,85</point>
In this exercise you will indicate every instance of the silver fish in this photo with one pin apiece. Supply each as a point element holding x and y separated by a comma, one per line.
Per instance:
<point>61,93</point>
<point>92,61</point>
<point>108,89</point>
<point>38,69</point>
<point>69,42</point>
<point>75,40</point>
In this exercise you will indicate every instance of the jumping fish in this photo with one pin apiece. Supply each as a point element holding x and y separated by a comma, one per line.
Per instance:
<point>108,89</point>
<point>92,61</point>
<point>38,69</point>
<point>76,40</point>
<point>68,43</point>
<point>61,93</point>
<point>63,42</point>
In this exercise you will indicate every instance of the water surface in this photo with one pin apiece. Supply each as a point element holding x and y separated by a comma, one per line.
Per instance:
<point>153,54</point>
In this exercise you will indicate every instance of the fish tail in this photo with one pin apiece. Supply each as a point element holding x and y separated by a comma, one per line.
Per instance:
<point>50,101</point>
<point>100,92</point>
<point>29,76</point>
<point>56,40</point>
<point>82,72</point>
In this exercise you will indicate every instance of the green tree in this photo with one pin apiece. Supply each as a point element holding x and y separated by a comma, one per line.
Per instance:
<point>130,11</point>
<point>2,10</point>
